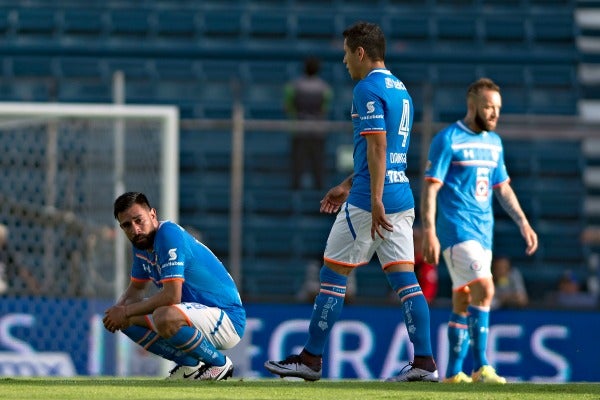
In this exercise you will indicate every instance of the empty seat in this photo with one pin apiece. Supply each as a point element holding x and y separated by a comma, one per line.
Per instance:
<point>222,24</point>
<point>130,22</point>
<point>560,157</point>
<point>272,278</point>
<point>458,30</point>
<point>411,75</point>
<point>315,26</point>
<point>559,29</point>
<point>268,25</point>
<point>502,5</point>
<point>133,68</point>
<point>177,69</point>
<point>544,76</point>
<point>560,241</point>
<point>38,21</point>
<point>4,15</point>
<point>176,24</point>
<point>456,77</point>
<point>89,92</point>
<point>37,66</point>
<point>561,101</point>
<point>413,29</point>
<point>81,67</point>
<point>83,22</point>
<point>268,202</point>
<point>505,30</point>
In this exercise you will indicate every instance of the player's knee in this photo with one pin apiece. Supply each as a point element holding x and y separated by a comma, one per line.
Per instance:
<point>167,320</point>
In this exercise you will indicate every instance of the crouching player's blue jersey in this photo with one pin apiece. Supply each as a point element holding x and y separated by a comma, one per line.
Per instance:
<point>178,255</point>
<point>381,105</point>
<point>469,165</point>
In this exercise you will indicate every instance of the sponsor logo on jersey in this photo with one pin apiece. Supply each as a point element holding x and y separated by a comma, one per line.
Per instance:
<point>370,107</point>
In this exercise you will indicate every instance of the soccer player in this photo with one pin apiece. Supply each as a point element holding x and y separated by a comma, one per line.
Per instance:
<point>376,211</point>
<point>465,164</point>
<point>197,310</point>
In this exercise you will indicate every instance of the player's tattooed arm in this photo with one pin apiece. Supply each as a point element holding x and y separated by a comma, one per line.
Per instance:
<point>509,202</point>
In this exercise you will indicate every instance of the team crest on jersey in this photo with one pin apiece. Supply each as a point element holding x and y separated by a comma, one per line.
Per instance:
<point>482,188</point>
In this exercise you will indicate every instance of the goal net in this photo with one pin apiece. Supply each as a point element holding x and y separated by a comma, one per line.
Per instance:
<point>62,166</point>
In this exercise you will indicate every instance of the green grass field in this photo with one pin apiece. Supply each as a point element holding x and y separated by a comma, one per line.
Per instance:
<point>273,389</point>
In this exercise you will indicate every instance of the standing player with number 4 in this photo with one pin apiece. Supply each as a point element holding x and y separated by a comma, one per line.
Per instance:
<point>465,164</point>
<point>197,310</point>
<point>377,211</point>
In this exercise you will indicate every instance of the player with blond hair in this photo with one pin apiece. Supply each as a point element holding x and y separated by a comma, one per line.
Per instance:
<point>465,166</point>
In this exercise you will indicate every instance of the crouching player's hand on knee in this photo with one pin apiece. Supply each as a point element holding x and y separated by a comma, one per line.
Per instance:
<point>115,318</point>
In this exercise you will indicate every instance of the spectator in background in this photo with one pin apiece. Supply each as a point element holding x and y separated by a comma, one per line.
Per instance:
<point>308,98</point>
<point>15,277</point>
<point>510,291</point>
<point>570,293</point>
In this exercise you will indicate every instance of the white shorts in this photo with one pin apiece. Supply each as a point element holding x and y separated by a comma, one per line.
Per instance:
<point>212,322</point>
<point>467,262</point>
<point>350,243</point>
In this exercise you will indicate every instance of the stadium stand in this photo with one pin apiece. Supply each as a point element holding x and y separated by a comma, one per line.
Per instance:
<point>204,55</point>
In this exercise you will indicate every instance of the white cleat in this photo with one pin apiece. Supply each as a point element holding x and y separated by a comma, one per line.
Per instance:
<point>184,371</point>
<point>415,375</point>
<point>292,366</point>
<point>216,373</point>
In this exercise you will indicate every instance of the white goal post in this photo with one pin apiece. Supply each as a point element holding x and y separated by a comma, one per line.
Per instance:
<point>13,114</point>
<point>169,115</point>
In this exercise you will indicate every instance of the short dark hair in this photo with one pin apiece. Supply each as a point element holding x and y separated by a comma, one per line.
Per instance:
<point>128,199</point>
<point>482,84</point>
<point>369,36</point>
<point>312,65</point>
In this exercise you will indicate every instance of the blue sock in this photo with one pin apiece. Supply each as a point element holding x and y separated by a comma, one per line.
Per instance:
<point>327,309</point>
<point>458,343</point>
<point>191,341</point>
<point>415,309</point>
<point>150,341</point>
<point>479,326</point>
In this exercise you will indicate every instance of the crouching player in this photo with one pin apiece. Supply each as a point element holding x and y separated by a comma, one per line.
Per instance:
<point>196,312</point>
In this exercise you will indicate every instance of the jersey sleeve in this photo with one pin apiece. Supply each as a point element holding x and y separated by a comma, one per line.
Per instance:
<point>500,174</point>
<point>138,273</point>
<point>440,157</point>
<point>369,107</point>
<point>171,252</point>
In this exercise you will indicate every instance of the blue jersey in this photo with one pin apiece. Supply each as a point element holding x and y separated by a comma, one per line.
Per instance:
<point>178,255</point>
<point>469,165</point>
<point>381,105</point>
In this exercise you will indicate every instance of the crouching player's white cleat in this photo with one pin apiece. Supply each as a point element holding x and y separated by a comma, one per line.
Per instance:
<point>185,372</point>
<point>216,373</point>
